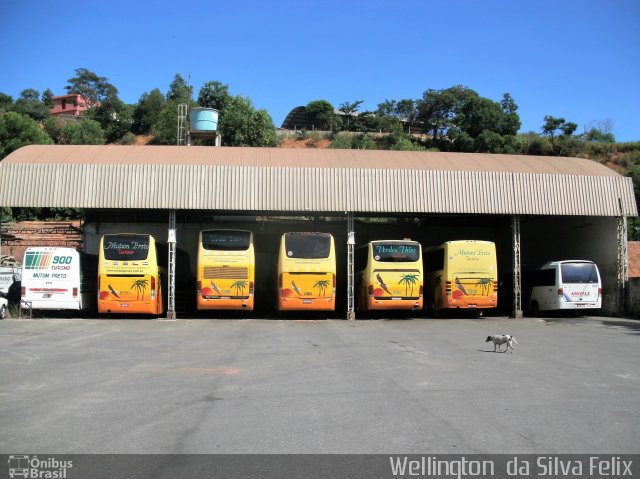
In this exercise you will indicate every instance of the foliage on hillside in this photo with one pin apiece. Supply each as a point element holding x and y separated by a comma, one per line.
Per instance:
<point>454,119</point>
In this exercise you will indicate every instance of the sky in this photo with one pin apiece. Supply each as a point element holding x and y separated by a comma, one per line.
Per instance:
<point>575,59</point>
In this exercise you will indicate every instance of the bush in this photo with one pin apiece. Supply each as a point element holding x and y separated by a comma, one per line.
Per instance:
<point>342,141</point>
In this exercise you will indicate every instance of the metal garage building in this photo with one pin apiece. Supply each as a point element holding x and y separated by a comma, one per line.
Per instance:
<point>536,208</point>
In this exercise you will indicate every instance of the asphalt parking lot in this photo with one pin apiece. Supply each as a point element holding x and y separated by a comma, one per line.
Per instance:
<point>287,386</point>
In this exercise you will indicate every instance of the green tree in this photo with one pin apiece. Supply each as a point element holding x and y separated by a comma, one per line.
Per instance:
<point>320,114</point>
<point>349,111</point>
<point>29,104</point>
<point>510,122</point>
<point>165,130</point>
<point>488,142</point>
<point>6,102</point>
<point>18,130</point>
<point>214,94</point>
<point>82,132</point>
<point>437,110</point>
<point>47,99</point>
<point>115,118</point>
<point>342,141</point>
<point>147,111</point>
<point>558,130</point>
<point>180,91</point>
<point>595,135</point>
<point>241,125</point>
<point>93,88</point>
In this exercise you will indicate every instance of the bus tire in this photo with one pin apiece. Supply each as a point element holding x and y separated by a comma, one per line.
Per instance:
<point>535,309</point>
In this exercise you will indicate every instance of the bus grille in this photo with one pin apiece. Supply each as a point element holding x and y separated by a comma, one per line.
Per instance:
<point>225,272</point>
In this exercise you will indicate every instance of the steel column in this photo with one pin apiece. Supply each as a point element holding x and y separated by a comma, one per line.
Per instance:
<point>622,266</point>
<point>171,303</point>
<point>351,244</point>
<point>517,267</point>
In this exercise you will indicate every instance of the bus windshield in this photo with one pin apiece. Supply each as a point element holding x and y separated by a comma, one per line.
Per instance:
<point>226,240</point>
<point>126,247</point>
<point>579,273</point>
<point>308,245</point>
<point>393,252</point>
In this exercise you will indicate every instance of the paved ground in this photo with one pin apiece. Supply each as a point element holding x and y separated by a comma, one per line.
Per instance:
<point>274,386</point>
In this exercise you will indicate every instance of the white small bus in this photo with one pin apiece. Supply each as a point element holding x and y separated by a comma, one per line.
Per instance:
<point>58,279</point>
<point>563,285</point>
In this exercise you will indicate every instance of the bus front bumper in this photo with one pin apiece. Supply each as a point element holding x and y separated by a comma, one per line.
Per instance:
<point>225,303</point>
<point>299,304</point>
<point>394,303</point>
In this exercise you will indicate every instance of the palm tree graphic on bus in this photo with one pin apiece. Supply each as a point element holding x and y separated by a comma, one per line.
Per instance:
<point>322,286</point>
<point>140,285</point>
<point>239,286</point>
<point>485,284</point>
<point>409,281</point>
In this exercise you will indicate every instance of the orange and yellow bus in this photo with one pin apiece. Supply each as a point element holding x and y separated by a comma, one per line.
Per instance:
<point>390,275</point>
<point>226,270</point>
<point>307,272</point>
<point>461,275</point>
<point>129,278</point>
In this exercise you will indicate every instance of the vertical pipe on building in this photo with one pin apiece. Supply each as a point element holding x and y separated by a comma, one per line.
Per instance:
<point>517,269</point>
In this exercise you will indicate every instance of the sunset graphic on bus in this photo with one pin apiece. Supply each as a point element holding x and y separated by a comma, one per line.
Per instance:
<point>37,260</point>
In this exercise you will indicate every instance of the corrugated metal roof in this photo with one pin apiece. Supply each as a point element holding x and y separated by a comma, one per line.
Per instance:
<point>274,179</point>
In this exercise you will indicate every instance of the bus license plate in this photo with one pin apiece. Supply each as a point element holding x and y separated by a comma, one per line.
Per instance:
<point>124,305</point>
<point>307,301</point>
<point>473,306</point>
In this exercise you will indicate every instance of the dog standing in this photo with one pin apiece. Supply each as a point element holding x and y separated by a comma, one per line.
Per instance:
<point>501,339</point>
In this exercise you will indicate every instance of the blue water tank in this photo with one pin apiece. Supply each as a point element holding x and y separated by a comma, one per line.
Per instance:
<point>203,119</point>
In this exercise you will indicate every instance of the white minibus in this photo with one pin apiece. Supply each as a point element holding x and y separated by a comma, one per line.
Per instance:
<point>563,285</point>
<point>58,279</point>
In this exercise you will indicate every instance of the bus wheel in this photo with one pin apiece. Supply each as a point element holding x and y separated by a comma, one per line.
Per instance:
<point>535,309</point>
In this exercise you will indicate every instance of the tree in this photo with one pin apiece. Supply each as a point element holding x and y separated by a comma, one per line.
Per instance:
<point>114,116</point>
<point>180,91</point>
<point>349,110</point>
<point>82,132</point>
<point>438,109</point>
<point>6,102</point>
<point>93,88</point>
<point>559,131</point>
<point>29,104</point>
<point>146,113</point>
<point>18,130</point>
<point>214,94</point>
<point>47,99</point>
<point>510,122</point>
<point>241,125</point>
<point>320,114</point>
<point>557,127</point>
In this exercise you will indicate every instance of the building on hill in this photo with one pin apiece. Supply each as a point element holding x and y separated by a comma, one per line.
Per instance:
<point>69,105</point>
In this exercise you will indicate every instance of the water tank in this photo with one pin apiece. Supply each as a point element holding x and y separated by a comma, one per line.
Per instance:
<point>203,119</point>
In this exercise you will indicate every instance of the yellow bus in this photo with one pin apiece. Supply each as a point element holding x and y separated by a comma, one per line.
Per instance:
<point>307,272</point>
<point>461,275</point>
<point>226,270</point>
<point>129,278</point>
<point>390,275</point>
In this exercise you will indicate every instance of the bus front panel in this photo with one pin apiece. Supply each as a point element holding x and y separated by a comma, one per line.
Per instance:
<point>129,279</point>
<point>226,270</point>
